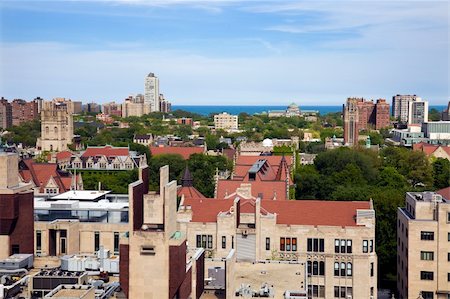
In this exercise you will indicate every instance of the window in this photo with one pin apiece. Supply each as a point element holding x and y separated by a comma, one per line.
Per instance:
<point>448,276</point>
<point>365,246</point>
<point>448,256</point>
<point>315,245</point>
<point>427,295</point>
<point>224,242</point>
<point>371,246</point>
<point>316,291</point>
<point>15,249</point>
<point>38,240</point>
<point>349,269</point>
<point>426,275</point>
<point>232,242</point>
<point>267,243</point>
<point>315,268</point>
<point>343,292</point>
<point>204,241</point>
<point>286,244</point>
<point>448,217</point>
<point>428,236</point>
<point>342,272</point>
<point>336,269</point>
<point>427,255</point>
<point>372,269</point>
<point>210,241</point>
<point>96,241</point>
<point>349,246</point>
<point>116,242</point>
<point>342,246</point>
<point>448,237</point>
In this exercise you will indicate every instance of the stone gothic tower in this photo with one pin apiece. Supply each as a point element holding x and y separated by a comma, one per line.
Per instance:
<point>56,125</point>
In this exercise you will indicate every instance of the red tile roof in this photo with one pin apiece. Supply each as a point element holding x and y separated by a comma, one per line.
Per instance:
<point>189,192</point>
<point>64,155</point>
<point>107,151</point>
<point>429,149</point>
<point>445,193</point>
<point>184,151</point>
<point>40,174</point>
<point>266,188</point>
<point>293,212</point>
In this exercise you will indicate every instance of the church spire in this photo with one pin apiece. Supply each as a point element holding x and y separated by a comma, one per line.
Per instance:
<point>186,180</point>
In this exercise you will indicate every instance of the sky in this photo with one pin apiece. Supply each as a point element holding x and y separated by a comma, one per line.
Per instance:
<point>225,52</point>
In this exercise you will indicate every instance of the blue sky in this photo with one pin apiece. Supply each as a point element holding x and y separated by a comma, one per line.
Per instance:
<point>221,52</point>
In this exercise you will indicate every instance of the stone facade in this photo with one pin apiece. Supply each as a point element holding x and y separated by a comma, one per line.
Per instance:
<point>261,230</point>
<point>56,125</point>
<point>423,250</point>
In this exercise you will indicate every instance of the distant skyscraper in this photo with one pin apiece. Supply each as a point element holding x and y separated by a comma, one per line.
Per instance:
<point>400,106</point>
<point>417,112</point>
<point>151,94</point>
<point>5,114</point>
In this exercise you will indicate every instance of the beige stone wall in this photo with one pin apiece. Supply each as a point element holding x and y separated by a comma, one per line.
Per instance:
<point>4,246</point>
<point>361,281</point>
<point>410,246</point>
<point>80,235</point>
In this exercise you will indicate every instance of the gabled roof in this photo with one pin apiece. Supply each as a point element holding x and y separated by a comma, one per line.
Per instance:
<point>263,189</point>
<point>42,173</point>
<point>64,155</point>
<point>429,149</point>
<point>445,193</point>
<point>184,151</point>
<point>189,192</point>
<point>291,212</point>
<point>108,151</point>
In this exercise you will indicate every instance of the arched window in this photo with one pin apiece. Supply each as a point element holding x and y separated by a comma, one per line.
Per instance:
<point>349,269</point>
<point>315,268</point>
<point>336,269</point>
<point>321,268</point>
<point>55,130</point>
<point>342,269</point>
<point>47,130</point>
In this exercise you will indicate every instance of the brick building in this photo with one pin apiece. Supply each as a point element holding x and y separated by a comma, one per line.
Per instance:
<point>16,209</point>
<point>360,114</point>
<point>23,111</point>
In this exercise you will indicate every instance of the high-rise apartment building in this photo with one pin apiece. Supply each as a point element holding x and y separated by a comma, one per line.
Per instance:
<point>360,114</point>
<point>112,109</point>
<point>423,246</point>
<point>400,106</point>
<point>226,121</point>
<point>56,125</point>
<point>16,208</point>
<point>23,111</point>
<point>151,94</point>
<point>417,112</point>
<point>164,105</point>
<point>5,114</point>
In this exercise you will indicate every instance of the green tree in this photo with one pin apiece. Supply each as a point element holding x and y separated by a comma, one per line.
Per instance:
<point>390,177</point>
<point>441,173</point>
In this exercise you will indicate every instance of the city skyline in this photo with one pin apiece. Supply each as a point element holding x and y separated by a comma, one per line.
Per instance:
<point>210,52</point>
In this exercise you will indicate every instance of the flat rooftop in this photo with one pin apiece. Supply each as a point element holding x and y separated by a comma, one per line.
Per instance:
<point>102,205</point>
<point>92,195</point>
